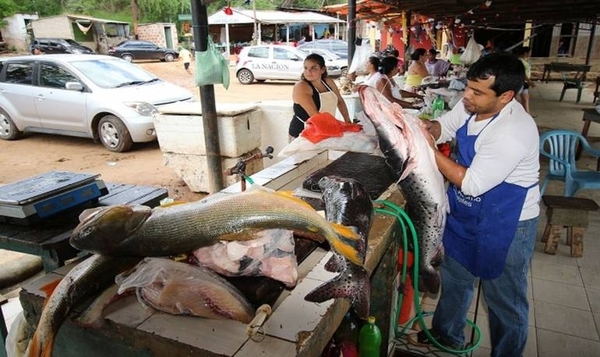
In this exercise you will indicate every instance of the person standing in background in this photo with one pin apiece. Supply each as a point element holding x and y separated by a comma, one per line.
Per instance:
<point>396,54</point>
<point>186,56</point>
<point>523,53</point>
<point>436,67</point>
<point>315,93</point>
<point>416,71</point>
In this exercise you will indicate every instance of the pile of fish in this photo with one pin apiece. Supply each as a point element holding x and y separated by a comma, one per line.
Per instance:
<point>121,235</point>
<point>403,141</point>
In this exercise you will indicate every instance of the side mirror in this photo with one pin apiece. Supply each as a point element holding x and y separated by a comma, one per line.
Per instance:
<point>74,86</point>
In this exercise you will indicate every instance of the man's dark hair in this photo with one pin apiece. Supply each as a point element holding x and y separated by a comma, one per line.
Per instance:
<point>507,69</point>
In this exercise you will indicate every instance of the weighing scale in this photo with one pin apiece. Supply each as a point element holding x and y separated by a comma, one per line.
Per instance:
<point>40,197</point>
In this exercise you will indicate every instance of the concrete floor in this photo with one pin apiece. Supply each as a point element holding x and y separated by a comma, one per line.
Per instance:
<point>564,292</point>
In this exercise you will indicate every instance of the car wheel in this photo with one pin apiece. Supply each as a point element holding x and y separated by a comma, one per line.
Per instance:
<point>127,58</point>
<point>169,57</point>
<point>113,134</point>
<point>344,71</point>
<point>245,76</point>
<point>8,129</point>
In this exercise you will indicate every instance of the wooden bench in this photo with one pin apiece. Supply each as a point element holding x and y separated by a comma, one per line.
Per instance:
<point>50,239</point>
<point>569,212</point>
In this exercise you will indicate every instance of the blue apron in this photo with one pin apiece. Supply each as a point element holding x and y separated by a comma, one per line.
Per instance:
<point>479,230</point>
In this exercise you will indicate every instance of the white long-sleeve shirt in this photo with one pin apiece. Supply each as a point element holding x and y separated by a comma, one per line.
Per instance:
<point>507,150</point>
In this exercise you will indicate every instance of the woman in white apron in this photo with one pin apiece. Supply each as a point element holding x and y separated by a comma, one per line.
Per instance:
<point>315,93</point>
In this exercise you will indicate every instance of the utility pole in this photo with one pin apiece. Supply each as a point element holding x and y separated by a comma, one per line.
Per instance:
<point>134,14</point>
<point>255,24</point>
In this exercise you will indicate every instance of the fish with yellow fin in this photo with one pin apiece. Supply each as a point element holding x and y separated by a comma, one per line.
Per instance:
<point>135,230</point>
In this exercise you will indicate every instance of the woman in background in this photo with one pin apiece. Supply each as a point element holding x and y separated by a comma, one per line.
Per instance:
<point>388,87</point>
<point>373,75</point>
<point>416,71</point>
<point>436,67</point>
<point>314,93</point>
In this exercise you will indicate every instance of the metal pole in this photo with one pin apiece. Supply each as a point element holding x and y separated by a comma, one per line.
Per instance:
<point>351,21</point>
<point>207,98</point>
<point>588,55</point>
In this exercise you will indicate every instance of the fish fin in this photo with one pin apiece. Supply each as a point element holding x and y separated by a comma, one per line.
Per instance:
<point>173,203</point>
<point>347,243</point>
<point>353,283</point>
<point>48,289</point>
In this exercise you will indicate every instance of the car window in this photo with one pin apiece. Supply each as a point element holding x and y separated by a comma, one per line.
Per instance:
<point>259,52</point>
<point>54,76</point>
<point>20,73</point>
<point>112,73</point>
<point>283,54</point>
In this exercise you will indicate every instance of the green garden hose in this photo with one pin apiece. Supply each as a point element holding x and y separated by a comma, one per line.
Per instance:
<point>404,220</point>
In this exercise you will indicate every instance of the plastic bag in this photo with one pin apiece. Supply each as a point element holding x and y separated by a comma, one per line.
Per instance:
<point>471,54</point>
<point>361,54</point>
<point>184,289</point>
<point>271,254</point>
<point>365,141</point>
<point>211,66</point>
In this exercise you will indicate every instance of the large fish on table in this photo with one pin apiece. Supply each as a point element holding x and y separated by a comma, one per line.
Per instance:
<point>403,141</point>
<point>85,279</point>
<point>134,230</point>
<point>184,289</point>
<point>347,202</point>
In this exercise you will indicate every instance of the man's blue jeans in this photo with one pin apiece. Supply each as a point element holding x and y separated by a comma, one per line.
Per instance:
<point>506,297</point>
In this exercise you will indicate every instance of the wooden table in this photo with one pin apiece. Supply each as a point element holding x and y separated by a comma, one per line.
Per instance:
<point>589,115</point>
<point>296,327</point>
<point>565,67</point>
<point>50,239</point>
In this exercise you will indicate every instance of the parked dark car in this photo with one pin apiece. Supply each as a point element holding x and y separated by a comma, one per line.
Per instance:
<point>131,50</point>
<point>59,45</point>
<point>338,47</point>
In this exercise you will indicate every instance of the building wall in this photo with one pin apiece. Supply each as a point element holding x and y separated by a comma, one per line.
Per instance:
<point>15,33</point>
<point>55,26</point>
<point>582,42</point>
<point>156,33</point>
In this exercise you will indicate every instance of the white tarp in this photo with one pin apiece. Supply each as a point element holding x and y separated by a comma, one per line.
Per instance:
<point>270,17</point>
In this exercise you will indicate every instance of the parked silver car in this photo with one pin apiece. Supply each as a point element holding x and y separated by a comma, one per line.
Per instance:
<point>273,62</point>
<point>100,97</point>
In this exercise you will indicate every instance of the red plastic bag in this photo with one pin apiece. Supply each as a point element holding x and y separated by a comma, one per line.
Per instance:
<point>322,126</point>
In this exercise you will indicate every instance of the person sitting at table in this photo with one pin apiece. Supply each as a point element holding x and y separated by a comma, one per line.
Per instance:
<point>436,67</point>
<point>373,75</point>
<point>416,71</point>
<point>387,86</point>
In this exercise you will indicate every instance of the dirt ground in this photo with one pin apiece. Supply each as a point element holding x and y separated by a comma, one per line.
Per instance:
<point>38,153</point>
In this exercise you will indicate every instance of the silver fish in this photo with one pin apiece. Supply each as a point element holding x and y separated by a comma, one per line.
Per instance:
<point>347,202</point>
<point>87,278</point>
<point>403,141</point>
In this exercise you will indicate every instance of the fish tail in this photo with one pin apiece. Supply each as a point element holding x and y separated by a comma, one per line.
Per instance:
<point>347,243</point>
<point>353,283</point>
<point>37,349</point>
<point>429,281</point>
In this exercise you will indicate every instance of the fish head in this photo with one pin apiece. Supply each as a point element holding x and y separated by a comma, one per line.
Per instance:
<point>108,227</point>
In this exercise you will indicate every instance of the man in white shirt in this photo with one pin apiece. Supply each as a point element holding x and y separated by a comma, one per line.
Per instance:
<point>494,206</point>
<point>186,56</point>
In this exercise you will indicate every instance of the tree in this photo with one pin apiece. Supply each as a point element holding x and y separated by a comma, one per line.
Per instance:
<point>7,9</point>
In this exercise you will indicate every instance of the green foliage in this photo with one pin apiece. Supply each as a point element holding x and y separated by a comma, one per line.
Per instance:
<point>43,8</point>
<point>7,8</point>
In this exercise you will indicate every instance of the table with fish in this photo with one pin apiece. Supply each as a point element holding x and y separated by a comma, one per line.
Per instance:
<point>347,258</point>
<point>295,327</point>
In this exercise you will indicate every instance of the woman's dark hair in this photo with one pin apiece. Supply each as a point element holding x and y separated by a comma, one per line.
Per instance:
<point>388,64</point>
<point>522,50</point>
<point>375,61</point>
<point>394,53</point>
<point>320,61</point>
<point>507,69</point>
<point>433,51</point>
<point>418,53</point>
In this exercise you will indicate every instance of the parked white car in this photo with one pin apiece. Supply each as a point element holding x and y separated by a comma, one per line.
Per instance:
<point>277,62</point>
<point>100,97</point>
<point>331,59</point>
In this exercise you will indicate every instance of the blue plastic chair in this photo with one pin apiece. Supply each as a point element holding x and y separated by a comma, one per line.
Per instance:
<point>560,147</point>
